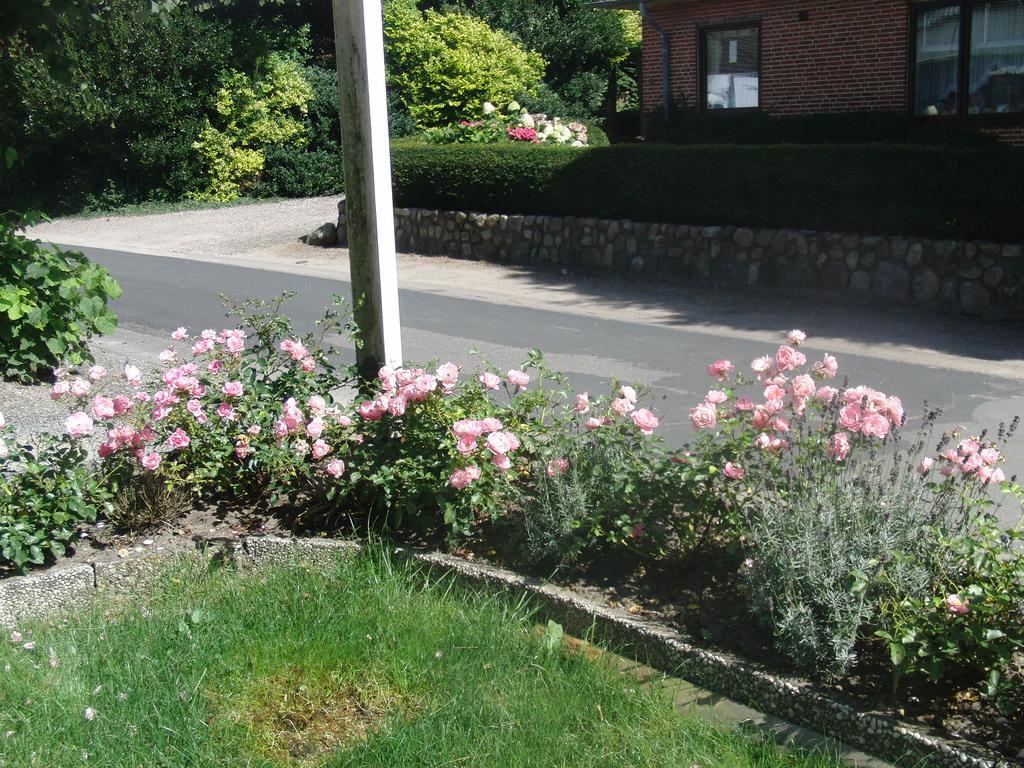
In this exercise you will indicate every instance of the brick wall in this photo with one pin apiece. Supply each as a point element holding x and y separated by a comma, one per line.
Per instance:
<point>847,56</point>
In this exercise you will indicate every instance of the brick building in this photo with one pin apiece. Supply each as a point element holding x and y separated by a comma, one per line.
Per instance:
<point>954,60</point>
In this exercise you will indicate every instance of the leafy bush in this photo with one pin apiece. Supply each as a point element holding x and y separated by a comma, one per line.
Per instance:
<point>52,301</point>
<point>967,618</point>
<point>294,172</point>
<point>928,191</point>
<point>252,113</point>
<point>122,128</point>
<point>46,491</point>
<point>689,127</point>
<point>444,66</point>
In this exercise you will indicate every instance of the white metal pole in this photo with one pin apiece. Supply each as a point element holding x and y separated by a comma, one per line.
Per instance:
<point>359,44</point>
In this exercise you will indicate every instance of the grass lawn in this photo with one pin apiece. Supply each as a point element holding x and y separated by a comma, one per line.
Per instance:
<point>154,207</point>
<point>372,664</point>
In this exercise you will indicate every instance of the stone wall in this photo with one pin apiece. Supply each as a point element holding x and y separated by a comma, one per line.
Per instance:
<point>974,278</point>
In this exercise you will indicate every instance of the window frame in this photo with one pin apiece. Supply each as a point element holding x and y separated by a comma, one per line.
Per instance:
<point>702,64</point>
<point>966,8</point>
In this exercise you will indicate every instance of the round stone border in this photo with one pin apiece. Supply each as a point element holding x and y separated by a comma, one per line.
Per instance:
<point>69,589</point>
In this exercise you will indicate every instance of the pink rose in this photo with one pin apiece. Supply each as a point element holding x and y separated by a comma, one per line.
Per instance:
<point>466,445</point>
<point>582,404</point>
<point>150,461</point>
<point>894,409</point>
<point>467,428</point>
<point>499,443</point>
<point>925,466</point>
<point>761,417</point>
<point>122,404</point>
<point>448,375</point>
<point>59,389</point>
<point>838,447</point>
<point>180,333</point>
<point>214,366</point>
<point>780,425</point>
<point>370,410</point>
<point>300,447</point>
<point>491,424</point>
<point>720,369</point>
<point>234,344</point>
<point>232,388</point>
<point>501,461</point>
<point>989,455</point>
<point>518,379</point>
<point>226,411</point>
<point>704,416</point>
<point>242,449</point>
<point>102,407</point>
<point>774,392</point>
<point>593,423</point>
<point>320,449</point>
<point>761,366</point>
<point>733,471</point>
<point>957,606</point>
<point>850,416</point>
<point>167,355</point>
<point>874,425</point>
<point>396,406</point>
<point>335,468</point>
<point>459,479</point>
<point>802,386</point>
<point>78,424</point>
<point>557,467</point>
<point>178,439</point>
<point>97,372</point>
<point>621,406</point>
<point>715,397</point>
<point>826,368</point>
<point>315,428</point>
<point>80,387</point>
<point>795,337</point>
<point>988,475</point>
<point>490,380</point>
<point>787,358</point>
<point>628,393</point>
<point>308,364</point>
<point>826,395</point>
<point>744,404</point>
<point>645,421</point>
<point>132,375</point>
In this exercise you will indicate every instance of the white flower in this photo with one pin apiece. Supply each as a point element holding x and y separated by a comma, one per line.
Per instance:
<point>513,106</point>
<point>488,108</point>
<point>526,120</point>
<point>577,143</point>
<point>89,713</point>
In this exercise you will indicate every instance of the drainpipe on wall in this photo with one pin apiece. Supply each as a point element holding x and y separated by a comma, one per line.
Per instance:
<point>666,74</point>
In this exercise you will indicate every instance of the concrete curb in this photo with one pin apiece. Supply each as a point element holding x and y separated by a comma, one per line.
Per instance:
<point>789,705</point>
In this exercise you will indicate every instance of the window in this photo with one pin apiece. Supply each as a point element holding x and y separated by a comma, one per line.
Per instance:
<point>731,67</point>
<point>971,48</point>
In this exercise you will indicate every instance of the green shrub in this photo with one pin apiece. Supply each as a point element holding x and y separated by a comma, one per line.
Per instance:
<point>121,130</point>
<point>928,191</point>
<point>52,302</point>
<point>294,172</point>
<point>46,491</point>
<point>689,127</point>
<point>444,66</point>
<point>253,112</point>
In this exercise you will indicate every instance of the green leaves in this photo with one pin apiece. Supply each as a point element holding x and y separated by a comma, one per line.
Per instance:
<point>54,301</point>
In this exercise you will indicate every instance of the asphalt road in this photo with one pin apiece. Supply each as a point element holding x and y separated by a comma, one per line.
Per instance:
<point>162,293</point>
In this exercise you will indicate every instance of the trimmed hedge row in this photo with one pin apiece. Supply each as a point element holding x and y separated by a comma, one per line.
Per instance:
<point>974,193</point>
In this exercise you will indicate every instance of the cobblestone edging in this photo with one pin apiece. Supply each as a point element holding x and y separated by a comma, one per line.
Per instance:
<point>968,277</point>
<point>61,591</point>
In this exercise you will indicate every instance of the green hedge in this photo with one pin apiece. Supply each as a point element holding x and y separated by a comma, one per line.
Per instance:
<point>724,127</point>
<point>884,189</point>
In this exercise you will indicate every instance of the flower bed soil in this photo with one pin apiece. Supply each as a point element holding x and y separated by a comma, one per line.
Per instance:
<point>702,597</point>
